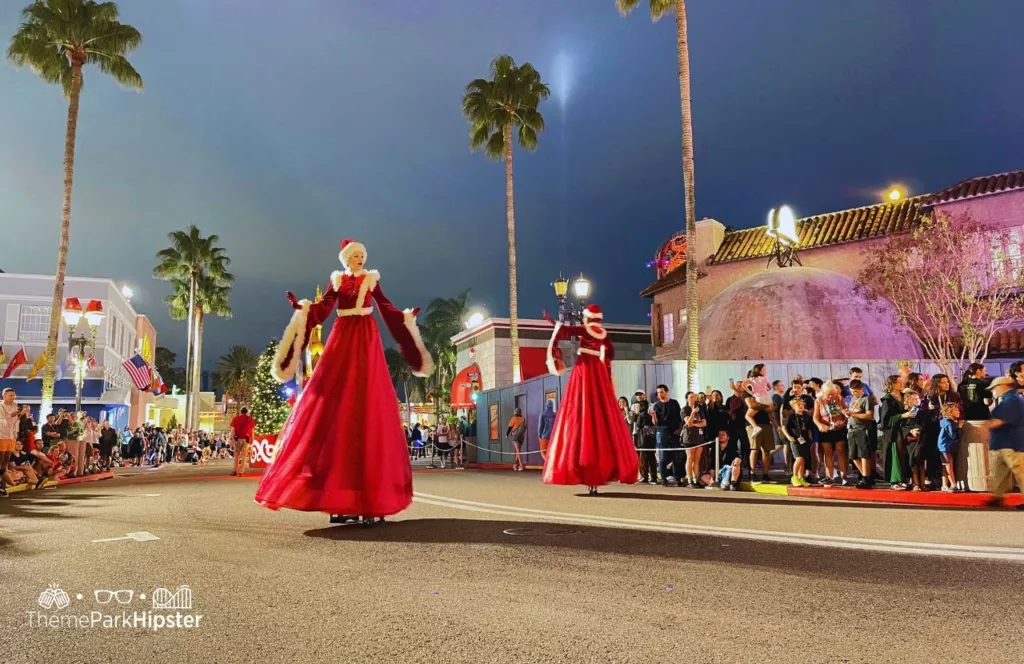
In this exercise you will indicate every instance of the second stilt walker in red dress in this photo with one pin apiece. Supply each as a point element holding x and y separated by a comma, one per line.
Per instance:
<point>342,450</point>
<point>590,443</point>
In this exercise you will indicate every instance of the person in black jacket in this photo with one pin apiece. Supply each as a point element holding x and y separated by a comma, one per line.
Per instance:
<point>108,440</point>
<point>895,468</point>
<point>975,394</point>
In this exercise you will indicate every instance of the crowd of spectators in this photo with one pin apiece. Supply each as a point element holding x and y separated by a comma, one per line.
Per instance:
<point>830,432</point>
<point>71,445</point>
<point>445,441</point>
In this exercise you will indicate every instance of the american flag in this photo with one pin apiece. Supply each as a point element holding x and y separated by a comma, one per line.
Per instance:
<point>139,371</point>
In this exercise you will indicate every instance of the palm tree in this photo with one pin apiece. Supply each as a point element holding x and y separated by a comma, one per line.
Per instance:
<point>56,40</point>
<point>658,9</point>
<point>208,297</point>
<point>189,259</point>
<point>444,320</point>
<point>235,371</point>
<point>494,107</point>
<point>399,370</point>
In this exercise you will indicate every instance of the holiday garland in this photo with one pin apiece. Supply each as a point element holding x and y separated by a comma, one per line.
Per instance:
<point>268,408</point>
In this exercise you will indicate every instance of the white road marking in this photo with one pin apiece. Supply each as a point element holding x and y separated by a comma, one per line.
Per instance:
<point>135,537</point>
<point>807,539</point>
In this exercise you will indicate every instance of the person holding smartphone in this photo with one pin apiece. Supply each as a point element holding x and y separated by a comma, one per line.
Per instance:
<point>10,421</point>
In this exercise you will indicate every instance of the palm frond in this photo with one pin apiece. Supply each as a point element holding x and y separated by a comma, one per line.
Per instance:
<point>509,97</point>
<point>58,36</point>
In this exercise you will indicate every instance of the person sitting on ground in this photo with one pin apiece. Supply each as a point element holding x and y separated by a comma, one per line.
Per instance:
<point>59,460</point>
<point>730,462</point>
<point>26,461</point>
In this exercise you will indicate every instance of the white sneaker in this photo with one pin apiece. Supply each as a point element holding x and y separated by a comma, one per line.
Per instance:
<point>671,480</point>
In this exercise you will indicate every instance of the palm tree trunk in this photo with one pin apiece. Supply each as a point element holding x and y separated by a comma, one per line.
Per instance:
<point>50,367</point>
<point>197,370</point>
<point>692,310</point>
<point>189,350</point>
<point>513,291</point>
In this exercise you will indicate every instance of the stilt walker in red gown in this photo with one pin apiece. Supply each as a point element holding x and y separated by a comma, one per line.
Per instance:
<point>590,443</point>
<point>342,450</point>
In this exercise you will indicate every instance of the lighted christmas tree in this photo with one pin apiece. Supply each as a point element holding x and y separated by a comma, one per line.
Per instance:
<point>268,408</point>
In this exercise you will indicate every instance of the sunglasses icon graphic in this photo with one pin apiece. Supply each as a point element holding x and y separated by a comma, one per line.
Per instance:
<point>105,596</point>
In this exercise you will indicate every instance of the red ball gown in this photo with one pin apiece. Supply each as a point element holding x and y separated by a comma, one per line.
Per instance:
<point>343,449</point>
<point>590,443</point>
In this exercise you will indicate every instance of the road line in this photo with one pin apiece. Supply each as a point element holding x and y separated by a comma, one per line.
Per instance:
<point>807,539</point>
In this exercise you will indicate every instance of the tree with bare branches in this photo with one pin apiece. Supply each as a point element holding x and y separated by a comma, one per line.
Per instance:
<point>951,284</point>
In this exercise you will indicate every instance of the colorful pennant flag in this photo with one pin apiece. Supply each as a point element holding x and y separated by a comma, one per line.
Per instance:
<point>16,361</point>
<point>37,367</point>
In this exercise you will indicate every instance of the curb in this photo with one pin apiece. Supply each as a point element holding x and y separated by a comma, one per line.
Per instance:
<point>769,489</point>
<point>50,484</point>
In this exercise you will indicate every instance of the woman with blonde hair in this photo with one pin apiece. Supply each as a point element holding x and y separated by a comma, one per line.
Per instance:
<point>831,422</point>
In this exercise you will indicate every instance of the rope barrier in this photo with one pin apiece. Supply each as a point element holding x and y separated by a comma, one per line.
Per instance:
<point>641,449</point>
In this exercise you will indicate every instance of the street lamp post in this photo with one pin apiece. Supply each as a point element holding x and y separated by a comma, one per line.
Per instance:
<point>570,311</point>
<point>78,344</point>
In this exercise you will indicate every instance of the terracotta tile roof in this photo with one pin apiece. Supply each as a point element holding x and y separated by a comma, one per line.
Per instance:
<point>825,229</point>
<point>673,278</point>
<point>983,186</point>
<point>1007,341</point>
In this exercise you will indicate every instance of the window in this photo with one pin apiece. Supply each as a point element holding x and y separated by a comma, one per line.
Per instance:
<point>668,329</point>
<point>34,323</point>
<point>1007,262</point>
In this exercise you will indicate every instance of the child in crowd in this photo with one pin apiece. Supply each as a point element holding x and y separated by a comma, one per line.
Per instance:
<point>798,431</point>
<point>910,430</point>
<point>60,460</point>
<point>949,443</point>
<point>757,386</point>
<point>857,439</point>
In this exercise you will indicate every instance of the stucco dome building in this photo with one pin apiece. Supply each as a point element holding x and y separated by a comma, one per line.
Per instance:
<point>800,313</point>
<point>753,310</point>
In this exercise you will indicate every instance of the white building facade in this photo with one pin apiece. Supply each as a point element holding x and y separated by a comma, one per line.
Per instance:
<point>25,301</point>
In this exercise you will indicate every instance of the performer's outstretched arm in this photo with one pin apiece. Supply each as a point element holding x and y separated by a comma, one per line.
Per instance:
<point>296,336</point>
<point>402,325</point>
<point>555,363</point>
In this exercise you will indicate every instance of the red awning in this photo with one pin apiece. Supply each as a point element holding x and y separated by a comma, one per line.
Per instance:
<point>533,362</point>
<point>465,384</point>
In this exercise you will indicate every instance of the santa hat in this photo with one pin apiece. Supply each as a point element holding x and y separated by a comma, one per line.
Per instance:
<point>592,312</point>
<point>348,247</point>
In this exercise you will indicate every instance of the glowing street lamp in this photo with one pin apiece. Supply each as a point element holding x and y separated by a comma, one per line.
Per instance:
<point>896,193</point>
<point>581,288</point>
<point>127,292</point>
<point>782,227</point>
<point>474,319</point>
<point>78,344</point>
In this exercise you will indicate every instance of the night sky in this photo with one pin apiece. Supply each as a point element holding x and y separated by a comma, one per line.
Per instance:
<point>286,126</point>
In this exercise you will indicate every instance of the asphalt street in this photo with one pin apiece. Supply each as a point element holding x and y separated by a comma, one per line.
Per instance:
<point>495,566</point>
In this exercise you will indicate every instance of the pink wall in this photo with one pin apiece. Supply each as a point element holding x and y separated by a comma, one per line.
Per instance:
<point>999,210</point>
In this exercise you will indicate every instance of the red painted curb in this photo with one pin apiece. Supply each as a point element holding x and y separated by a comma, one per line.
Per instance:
<point>85,478</point>
<point>926,498</point>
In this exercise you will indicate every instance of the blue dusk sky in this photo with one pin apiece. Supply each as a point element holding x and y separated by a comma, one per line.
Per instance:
<point>285,126</point>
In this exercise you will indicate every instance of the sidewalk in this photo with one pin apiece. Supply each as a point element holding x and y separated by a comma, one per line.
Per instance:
<point>51,484</point>
<point>892,496</point>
